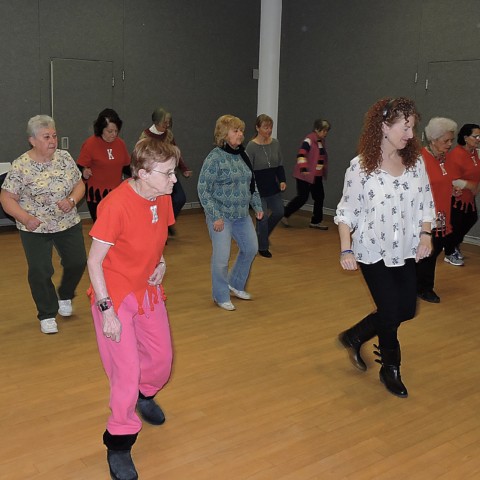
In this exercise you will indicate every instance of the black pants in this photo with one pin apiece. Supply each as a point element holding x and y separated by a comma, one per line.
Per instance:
<point>178,198</point>
<point>304,189</point>
<point>426,266</point>
<point>462,222</point>
<point>92,208</point>
<point>394,292</point>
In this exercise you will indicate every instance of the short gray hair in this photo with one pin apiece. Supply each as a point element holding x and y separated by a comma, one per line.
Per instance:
<point>37,123</point>
<point>439,126</point>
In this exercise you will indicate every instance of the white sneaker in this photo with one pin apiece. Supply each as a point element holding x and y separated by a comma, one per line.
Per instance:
<point>48,325</point>
<point>226,305</point>
<point>453,260</point>
<point>65,308</point>
<point>458,254</point>
<point>240,293</point>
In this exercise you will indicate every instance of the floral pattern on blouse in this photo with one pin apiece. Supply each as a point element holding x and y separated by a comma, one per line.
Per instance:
<point>385,213</point>
<point>40,186</point>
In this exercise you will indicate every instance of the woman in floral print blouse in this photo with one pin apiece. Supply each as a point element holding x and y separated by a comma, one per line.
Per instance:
<point>41,192</point>
<point>384,220</point>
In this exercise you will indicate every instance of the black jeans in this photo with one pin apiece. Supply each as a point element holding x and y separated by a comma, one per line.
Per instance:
<point>394,291</point>
<point>304,189</point>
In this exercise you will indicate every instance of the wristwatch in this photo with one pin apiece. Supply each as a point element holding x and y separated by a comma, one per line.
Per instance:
<point>104,304</point>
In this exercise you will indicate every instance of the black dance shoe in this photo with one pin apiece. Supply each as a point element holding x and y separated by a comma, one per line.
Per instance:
<point>429,296</point>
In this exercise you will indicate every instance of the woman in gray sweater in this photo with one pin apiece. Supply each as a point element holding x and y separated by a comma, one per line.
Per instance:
<point>266,157</point>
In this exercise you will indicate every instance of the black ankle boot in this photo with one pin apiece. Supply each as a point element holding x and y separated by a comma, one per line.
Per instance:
<point>121,465</point>
<point>150,411</point>
<point>353,339</point>
<point>390,370</point>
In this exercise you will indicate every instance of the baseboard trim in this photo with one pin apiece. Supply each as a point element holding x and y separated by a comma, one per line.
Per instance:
<point>331,212</point>
<point>306,208</point>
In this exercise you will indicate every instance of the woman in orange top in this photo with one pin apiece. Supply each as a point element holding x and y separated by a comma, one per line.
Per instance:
<point>440,133</point>
<point>126,267</point>
<point>464,157</point>
<point>103,158</point>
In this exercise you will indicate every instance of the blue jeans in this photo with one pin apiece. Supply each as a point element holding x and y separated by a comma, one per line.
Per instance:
<point>265,226</point>
<point>243,232</point>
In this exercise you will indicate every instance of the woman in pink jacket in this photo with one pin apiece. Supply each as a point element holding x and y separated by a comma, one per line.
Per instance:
<point>309,171</point>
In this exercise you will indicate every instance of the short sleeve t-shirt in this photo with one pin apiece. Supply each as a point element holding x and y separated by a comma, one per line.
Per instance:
<point>137,229</point>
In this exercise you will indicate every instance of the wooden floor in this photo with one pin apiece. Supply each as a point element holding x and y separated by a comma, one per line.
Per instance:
<point>262,393</point>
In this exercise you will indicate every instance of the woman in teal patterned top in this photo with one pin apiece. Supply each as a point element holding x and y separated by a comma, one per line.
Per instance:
<point>226,188</point>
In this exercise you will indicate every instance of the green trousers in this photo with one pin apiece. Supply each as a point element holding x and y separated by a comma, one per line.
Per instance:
<point>38,249</point>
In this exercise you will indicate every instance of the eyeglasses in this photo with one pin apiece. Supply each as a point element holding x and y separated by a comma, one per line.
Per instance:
<point>170,174</point>
<point>476,137</point>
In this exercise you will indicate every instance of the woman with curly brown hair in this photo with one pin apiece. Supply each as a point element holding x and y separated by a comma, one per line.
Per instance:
<point>384,221</point>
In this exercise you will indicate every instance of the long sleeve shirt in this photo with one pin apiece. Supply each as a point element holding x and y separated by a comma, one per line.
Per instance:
<point>267,162</point>
<point>385,213</point>
<point>224,186</point>
<point>468,168</point>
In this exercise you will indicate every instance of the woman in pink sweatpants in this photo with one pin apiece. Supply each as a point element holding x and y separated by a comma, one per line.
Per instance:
<point>126,267</point>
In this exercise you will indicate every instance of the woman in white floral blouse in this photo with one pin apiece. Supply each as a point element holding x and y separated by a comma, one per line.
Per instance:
<point>384,221</point>
<point>41,192</point>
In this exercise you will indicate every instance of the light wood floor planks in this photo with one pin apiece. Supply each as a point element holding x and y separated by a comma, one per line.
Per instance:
<point>262,393</point>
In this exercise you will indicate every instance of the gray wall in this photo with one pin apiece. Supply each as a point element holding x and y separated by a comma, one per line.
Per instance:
<point>340,57</point>
<point>193,57</point>
<point>196,59</point>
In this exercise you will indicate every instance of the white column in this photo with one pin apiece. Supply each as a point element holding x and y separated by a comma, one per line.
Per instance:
<point>269,59</point>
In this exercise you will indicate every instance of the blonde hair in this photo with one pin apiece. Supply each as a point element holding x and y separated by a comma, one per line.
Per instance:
<point>223,125</point>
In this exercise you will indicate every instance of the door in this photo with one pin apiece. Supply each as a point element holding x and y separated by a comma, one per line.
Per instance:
<point>451,91</point>
<point>80,90</point>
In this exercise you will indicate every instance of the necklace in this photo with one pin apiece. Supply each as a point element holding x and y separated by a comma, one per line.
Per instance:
<point>441,160</point>
<point>266,155</point>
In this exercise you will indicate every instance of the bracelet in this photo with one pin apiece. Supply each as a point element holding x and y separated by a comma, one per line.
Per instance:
<point>345,252</point>
<point>424,232</point>
<point>104,304</point>
<point>72,201</point>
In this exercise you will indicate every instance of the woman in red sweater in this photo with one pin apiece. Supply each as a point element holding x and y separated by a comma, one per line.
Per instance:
<point>440,133</point>
<point>102,159</point>
<point>465,158</point>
